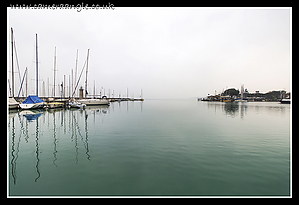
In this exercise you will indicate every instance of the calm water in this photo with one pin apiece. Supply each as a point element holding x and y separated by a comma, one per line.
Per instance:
<point>155,147</point>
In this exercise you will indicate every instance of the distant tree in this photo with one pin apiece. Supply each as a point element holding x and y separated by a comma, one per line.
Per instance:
<point>273,95</point>
<point>231,92</point>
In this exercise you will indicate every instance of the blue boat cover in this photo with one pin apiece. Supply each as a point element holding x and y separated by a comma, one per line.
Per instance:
<point>31,99</point>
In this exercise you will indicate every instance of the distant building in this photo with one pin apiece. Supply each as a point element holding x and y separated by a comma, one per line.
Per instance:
<point>272,96</point>
<point>257,95</point>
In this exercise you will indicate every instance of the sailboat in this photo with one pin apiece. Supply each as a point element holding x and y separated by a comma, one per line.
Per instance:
<point>89,101</point>
<point>54,104</point>
<point>33,101</point>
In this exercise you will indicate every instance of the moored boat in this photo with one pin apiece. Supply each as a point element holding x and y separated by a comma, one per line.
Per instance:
<point>33,102</point>
<point>285,101</point>
<point>91,101</point>
<point>94,101</point>
<point>75,104</point>
<point>226,99</point>
<point>12,103</point>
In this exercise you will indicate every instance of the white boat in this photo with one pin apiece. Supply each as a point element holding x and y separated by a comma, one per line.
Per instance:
<point>33,102</point>
<point>32,106</point>
<point>12,103</point>
<point>94,101</point>
<point>75,104</point>
<point>285,101</point>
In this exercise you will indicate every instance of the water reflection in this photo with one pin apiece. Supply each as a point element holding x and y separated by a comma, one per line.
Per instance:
<point>14,149</point>
<point>113,150</point>
<point>241,109</point>
<point>37,152</point>
<point>31,115</point>
<point>40,139</point>
<point>55,125</point>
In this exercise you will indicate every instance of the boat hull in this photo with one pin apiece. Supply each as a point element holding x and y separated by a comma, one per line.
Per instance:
<point>76,105</point>
<point>13,106</point>
<point>12,103</point>
<point>285,101</point>
<point>32,106</point>
<point>90,102</point>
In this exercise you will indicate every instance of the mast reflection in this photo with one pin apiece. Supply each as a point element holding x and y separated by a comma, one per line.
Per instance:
<point>14,152</point>
<point>55,140</point>
<point>36,132</point>
<point>37,152</point>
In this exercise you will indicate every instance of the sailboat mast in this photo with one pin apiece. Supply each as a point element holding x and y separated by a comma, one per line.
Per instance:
<point>12,71</point>
<point>54,70</point>
<point>86,74</point>
<point>76,69</point>
<point>72,84</point>
<point>26,81</point>
<point>36,68</point>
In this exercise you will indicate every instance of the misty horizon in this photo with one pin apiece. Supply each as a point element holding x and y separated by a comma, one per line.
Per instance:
<point>169,53</point>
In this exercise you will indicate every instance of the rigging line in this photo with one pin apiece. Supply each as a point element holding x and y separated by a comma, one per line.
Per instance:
<point>79,78</point>
<point>21,85</point>
<point>9,87</point>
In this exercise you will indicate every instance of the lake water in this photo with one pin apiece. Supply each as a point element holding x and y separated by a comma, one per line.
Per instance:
<point>151,148</point>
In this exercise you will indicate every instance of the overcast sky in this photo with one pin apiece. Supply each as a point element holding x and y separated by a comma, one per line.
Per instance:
<point>167,52</point>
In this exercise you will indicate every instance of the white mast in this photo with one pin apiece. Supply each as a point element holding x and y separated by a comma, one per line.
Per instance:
<point>36,67</point>
<point>12,71</point>
<point>76,70</point>
<point>86,74</point>
<point>54,70</point>
<point>94,88</point>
